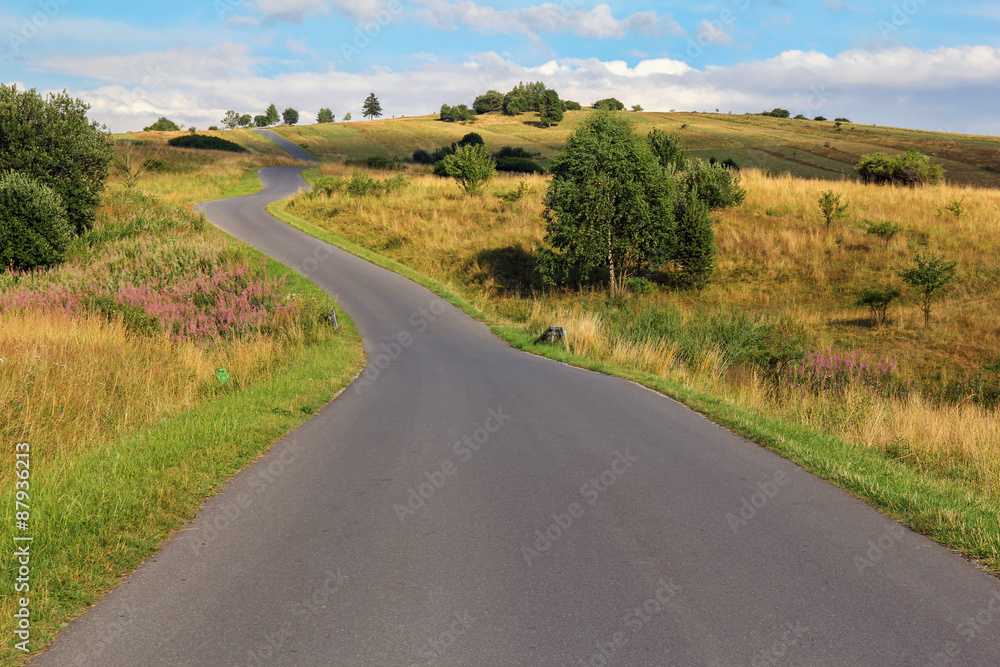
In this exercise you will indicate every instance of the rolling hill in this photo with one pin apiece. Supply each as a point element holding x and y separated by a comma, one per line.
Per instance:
<point>810,149</point>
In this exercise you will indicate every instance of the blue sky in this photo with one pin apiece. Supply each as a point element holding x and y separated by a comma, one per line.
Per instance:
<point>915,63</point>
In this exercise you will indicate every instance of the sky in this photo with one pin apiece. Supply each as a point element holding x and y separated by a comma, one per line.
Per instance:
<point>925,64</point>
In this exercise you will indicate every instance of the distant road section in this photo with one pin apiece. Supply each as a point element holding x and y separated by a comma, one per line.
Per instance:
<point>292,149</point>
<point>467,504</point>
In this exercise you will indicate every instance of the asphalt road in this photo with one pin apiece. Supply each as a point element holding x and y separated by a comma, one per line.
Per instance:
<point>464,503</point>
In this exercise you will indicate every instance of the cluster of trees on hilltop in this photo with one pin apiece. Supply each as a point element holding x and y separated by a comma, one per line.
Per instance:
<point>533,96</point>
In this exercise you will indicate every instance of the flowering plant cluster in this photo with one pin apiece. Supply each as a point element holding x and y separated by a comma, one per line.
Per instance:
<point>836,370</point>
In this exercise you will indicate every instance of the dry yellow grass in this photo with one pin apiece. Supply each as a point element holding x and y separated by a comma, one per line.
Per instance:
<point>777,259</point>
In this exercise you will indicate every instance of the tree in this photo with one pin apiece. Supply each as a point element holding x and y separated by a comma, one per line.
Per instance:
<point>325,116</point>
<point>472,166</point>
<point>246,120</point>
<point>515,103</point>
<point>609,206</point>
<point>489,102</point>
<point>371,109</point>
<point>695,250</point>
<point>571,105</point>
<point>609,104</point>
<point>347,117</point>
<point>930,275</point>
<point>51,140</point>
<point>231,120</point>
<point>290,116</point>
<point>132,162</point>
<point>831,208</point>
<point>272,115</point>
<point>777,112</point>
<point>551,110</point>
<point>162,124</point>
<point>260,120</point>
<point>877,300</point>
<point>638,107</point>
<point>456,113</point>
<point>668,150</point>
<point>34,228</point>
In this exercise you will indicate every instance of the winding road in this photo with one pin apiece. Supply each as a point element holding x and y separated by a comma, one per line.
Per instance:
<point>464,503</point>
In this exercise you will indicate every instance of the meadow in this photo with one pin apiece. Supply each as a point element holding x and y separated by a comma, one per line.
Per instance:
<point>776,334</point>
<point>146,370</point>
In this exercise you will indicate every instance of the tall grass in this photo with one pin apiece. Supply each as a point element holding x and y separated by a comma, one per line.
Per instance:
<point>784,289</point>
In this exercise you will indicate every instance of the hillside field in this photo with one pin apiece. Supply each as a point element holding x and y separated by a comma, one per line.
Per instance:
<point>805,148</point>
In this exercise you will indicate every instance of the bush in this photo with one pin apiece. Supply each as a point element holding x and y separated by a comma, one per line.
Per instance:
<point>821,118</point>
<point>801,117</point>
<point>777,112</point>
<point>328,185</point>
<point>883,230</point>
<point>510,197</point>
<point>163,124</point>
<point>668,150</point>
<point>572,106</point>
<point>609,104</point>
<point>842,120</point>
<point>508,151</point>
<point>472,166</point>
<point>717,186</point>
<point>695,250</point>
<point>205,142</point>
<point>376,162</point>
<point>831,208</point>
<point>51,140</point>
<point>420,156</point>
<point>518,165</point>
<point>362,185</point>
<point>34,228</point>
<point>471,139</point>
<point>877,300</point>
<point>913,168</point>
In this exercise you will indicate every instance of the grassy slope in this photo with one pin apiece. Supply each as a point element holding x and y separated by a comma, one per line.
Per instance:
<point>809,149</point>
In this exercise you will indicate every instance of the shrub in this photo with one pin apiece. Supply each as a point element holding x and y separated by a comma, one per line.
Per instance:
<point>638,285</point>
<point>877,300</point>
<point>362,185</point>
<point>913,168</point>
<point>162,124</point>
<point>831,208</point>
<point>456,113</point>
<point>518,165</point>
<point>695,249</point>
<point>420,156</point>
<point>508,151</point>
<point>572,106</point>
<point>51,140</point>
<point>956,208</point>
<point>472,166</point>
<point>930,275</point>
<point>471,139</point>
<point>328,185</point>
<point>668,150</point>
<point>883,230</point>
<point>777,112</point>
<point>205,142</point>
<point>34,228</point>
<point>820,118</point>
<point>609,104</point>
<point>842,120</point>
<point>376,162</point>
<point>510,197</point>
<point>716,186</point>
<point>801,117</point>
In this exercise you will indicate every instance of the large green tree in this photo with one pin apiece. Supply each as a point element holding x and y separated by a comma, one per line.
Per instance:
<point>52,141</point>
<point>290,116</point>
<point>372,108</point>
<point>609,206</point>
<point>272,115</point>
<point>325,115</point>
<point>551,110</point>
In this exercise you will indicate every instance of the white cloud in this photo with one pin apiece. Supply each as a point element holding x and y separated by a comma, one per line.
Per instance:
<point>292,11</point>
<point>712,33</point>
<point>597,23</point>
<point>841,6</point>
<point>948,88</point>
<point>297,46</point>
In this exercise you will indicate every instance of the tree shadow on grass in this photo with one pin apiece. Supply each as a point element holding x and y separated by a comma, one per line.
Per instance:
<point>513,269</point>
